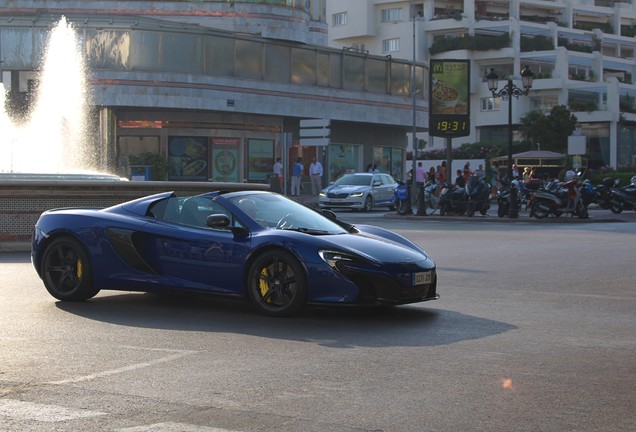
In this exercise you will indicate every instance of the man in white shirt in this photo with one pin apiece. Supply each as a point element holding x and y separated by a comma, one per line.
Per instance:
<point>315,174</point>
<point>278,171</point>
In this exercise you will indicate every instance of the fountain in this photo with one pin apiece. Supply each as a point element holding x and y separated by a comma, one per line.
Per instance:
<point>53,139</point>
<point>45,162</point>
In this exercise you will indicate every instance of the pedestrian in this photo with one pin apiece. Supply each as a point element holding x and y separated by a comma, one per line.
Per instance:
<point>442,171</point>
<point>419,174</point>
<point>297,173</point>
<point>460,181</point>
<point>467,172</point>
<point>438,174</point>
<point>515,171</point>
<point>479,172</point>
<point>315,175</point>
<point>278,171</point>
<point>431,175</point>
<point>494,179</point>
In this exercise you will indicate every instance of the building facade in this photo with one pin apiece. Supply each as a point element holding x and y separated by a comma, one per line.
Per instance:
<point>581,52</point>
<point>215,87</point>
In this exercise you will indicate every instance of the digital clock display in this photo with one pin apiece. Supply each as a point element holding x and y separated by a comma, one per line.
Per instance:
<point>447,126</point>
<point>449,98</point>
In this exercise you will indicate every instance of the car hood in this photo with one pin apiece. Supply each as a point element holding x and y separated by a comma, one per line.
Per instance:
<point>376,248</point>
<point>346,189</point>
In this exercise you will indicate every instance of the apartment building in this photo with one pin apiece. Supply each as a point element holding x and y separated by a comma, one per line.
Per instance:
<point>581,53</point>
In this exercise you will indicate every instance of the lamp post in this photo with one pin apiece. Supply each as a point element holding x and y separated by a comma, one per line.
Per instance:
<point>413,188</point>
<point>507,92</point>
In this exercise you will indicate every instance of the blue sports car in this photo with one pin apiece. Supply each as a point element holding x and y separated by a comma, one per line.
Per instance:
<point>254,245</point>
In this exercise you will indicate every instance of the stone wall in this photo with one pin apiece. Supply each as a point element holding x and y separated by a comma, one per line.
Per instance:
<point>22,202</point>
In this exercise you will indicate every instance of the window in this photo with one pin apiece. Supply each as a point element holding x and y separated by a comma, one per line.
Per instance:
<point>490,104</point>
<point>391,45</point>
<point>391,15</point>
<point>339,18</point>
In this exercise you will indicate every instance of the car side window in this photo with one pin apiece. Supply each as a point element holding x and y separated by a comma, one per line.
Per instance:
<point>192,211</point>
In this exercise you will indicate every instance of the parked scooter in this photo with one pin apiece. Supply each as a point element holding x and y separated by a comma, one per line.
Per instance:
<point>565,200</point>
<point>432,192</point>
<point>623,198</point>
<point>603,192</point>
<point>401,198</point>
<point>478,193</point>
<point>509,199</point>
<point>452,200</point>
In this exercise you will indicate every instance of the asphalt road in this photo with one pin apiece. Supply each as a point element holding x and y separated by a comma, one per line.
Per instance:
<point>535,331</point>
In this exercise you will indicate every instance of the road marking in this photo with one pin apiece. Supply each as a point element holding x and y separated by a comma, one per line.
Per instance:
<point>177,355</point>
<point>172,427</point>
<point>42,412</point>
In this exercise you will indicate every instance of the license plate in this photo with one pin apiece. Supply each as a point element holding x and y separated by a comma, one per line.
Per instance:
<point>422,278</point>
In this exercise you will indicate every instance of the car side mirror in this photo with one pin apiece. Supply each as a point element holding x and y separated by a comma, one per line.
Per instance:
<point>218,221</point>
<point>377,183</point>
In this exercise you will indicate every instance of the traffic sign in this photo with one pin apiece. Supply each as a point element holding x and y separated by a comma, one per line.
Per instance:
<point>319,142</point>
<point>315,132</point>
<point>315,123</point>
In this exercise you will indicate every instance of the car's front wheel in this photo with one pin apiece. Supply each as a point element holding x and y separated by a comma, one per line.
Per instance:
<point>66,270</point>
<point>368,204</point>
<point>276,283</point>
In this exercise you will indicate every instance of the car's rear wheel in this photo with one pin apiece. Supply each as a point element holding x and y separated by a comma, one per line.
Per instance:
<point>66,270</point>
<point>276,283</point>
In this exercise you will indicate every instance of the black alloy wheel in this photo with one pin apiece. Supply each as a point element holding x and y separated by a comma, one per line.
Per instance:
<point>66,270</point>
<point>276,283</point>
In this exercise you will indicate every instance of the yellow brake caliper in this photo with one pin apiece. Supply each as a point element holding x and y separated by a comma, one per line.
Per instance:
<point>263,285</point>
<point>79,269</point>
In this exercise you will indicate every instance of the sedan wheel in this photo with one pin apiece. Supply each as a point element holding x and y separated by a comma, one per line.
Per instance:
<point>276,283</point>
<point>368,204</point>
<point>66,271</point>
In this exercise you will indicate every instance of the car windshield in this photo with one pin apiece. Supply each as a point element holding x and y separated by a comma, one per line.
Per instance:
<point>278,212</point>
<point>354,180</point>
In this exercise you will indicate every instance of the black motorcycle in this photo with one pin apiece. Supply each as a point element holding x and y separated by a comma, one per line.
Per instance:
<point>453,200</point>
<point>509,199</point>
<point>478,193</point>
<point>603,192</point>
<point>623,198</point>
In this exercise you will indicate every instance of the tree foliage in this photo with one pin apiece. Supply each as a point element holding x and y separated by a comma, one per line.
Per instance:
<point>551,131</point>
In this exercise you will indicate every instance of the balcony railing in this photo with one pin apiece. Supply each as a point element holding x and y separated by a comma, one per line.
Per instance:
<point>471,43</point>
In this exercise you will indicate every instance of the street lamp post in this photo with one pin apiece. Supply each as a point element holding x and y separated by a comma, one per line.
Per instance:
<point>507,92</point>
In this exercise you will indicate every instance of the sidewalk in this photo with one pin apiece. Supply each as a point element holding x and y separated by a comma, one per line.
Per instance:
<point>596,215</point>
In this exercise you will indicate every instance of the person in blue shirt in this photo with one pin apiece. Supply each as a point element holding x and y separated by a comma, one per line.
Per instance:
<point>297,174</point>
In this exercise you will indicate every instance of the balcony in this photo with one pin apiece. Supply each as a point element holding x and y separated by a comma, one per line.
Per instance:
<point>470,43</point>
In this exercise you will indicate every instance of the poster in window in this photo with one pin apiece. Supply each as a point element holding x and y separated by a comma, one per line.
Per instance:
<point>225,164</point>
<point>260,159</point>
<point>187,158</point>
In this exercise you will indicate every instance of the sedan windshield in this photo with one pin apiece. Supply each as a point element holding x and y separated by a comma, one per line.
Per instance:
<point>277,211</point>
<point>354,180</point>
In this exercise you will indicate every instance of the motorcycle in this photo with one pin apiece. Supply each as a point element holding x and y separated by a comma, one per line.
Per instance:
<point>452,200</point>
<point>401,198</point>
<point>431,194</point>
<point>623,198</point>
<point>509,199</point>
<point>564,200</point>
<point>478,193</point>
<point>589,194</point>
<point>602,192</point>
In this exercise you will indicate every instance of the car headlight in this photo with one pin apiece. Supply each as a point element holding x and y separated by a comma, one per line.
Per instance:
<point>333,258</point>
<point>356,194</point>
<point>322,194</point>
